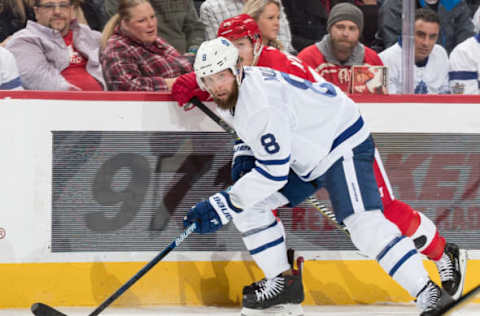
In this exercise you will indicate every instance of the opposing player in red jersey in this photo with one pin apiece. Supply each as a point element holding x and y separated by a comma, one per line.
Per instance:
<point>243,32</point>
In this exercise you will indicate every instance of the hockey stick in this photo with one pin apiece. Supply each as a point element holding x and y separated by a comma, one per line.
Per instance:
<point>322,208</point>
<point>40,309</point>
<point>454,306</point>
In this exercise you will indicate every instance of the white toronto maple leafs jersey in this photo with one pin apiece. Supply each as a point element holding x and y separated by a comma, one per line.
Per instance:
<point>293,123</point>
<point>465,67</point>
<point>431,78</point>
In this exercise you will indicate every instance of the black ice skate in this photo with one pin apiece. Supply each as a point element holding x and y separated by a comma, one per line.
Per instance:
<point>451,268</point>
<point>432,299</point>
<point>280,296</point>
<point>251,288</point>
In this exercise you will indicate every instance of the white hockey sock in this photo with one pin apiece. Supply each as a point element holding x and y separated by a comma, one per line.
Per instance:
<point>426,230</point>
<point>264,236</point>
<point>268,248</point>
<point>380,239</point>
<point>402,262</point>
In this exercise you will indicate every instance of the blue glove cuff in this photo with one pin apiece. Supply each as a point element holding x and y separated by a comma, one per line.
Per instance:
<point>229,202</point>
<point>241,149</point>
<point>242,165</point>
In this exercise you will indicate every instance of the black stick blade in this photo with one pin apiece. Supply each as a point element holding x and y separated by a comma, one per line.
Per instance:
<point>40,309</point>
<point>455,306</point>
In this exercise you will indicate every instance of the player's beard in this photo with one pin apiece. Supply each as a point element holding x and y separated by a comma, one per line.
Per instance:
<point>231,101</point>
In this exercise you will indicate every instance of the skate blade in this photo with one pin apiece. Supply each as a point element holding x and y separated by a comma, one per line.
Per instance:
<point>277,310</point>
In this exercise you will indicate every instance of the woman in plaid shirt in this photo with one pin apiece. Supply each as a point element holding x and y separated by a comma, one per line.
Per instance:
<point>134,58</point>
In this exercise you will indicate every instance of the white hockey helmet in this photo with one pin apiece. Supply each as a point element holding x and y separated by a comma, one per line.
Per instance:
<point>214,56</point>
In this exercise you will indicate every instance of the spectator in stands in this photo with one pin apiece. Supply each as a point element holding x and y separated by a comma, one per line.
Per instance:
<point>334,56</point>
<point>94,14</point>
<point>13,17</point>
<point>464,72</point>
<point>370,10</point>
<point>9,77</point>
<point>57,53</point>
<point>431,60</point>
<point>308,21</point>
<point>213,12</point>
<point>177,23</point>
<point>134,57</point>
<point>267,15</point>
<point>455,22</point>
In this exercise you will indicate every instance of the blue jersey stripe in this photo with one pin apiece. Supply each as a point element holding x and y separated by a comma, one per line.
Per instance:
<point>401,261</point>
<point>269,176</point>
<point>355,127</point>
<point>12,84</point>
<point>266,246</point>
<point>259,229</point>
<point>388,247</point>
<point>275,161</point>
<point>463,75</point>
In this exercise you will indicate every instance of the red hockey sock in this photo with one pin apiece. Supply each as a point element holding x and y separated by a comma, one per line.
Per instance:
<point>402,215</point>
<point>436,248</point>
<point>410,223</point>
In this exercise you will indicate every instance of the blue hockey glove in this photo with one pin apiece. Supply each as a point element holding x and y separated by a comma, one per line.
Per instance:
<point>210,215</point>
<point>243,160</point>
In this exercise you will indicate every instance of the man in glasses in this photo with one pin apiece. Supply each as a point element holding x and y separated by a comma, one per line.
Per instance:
<point>56,52</point>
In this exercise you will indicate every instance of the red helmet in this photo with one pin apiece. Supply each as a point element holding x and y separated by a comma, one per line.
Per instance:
<point>241,26</point>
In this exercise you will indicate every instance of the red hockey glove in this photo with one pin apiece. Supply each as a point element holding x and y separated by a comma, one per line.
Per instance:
<point>186,87</point>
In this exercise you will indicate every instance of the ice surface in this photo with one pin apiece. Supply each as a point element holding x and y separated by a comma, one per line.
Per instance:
<point>344,310</point>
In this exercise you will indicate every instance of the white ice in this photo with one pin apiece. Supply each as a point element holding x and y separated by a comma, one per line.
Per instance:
<point>344,310</point>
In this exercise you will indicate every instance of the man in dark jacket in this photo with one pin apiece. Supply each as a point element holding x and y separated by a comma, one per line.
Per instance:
<point>455,22</point>
<point>308,21</point>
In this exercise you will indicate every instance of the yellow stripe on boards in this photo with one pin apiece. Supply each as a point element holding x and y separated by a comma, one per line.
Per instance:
<point>197,283</point>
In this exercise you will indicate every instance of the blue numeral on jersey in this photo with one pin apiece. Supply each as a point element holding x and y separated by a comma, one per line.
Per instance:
<point>326,88</point>
<point>269,74</point>
<point>270,143</point>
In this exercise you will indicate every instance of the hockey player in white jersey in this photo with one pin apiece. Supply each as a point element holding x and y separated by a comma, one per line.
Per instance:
<point>244,34</point>
<point>318,132</point>
<point>464,74</point>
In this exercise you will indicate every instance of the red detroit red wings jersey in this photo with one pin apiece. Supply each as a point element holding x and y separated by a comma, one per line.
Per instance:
<point>275,59</point>
<point>337,74</point>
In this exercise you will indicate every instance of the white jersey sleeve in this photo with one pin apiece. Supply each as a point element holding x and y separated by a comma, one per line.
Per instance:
<point>390,58</point>
<point>465,67</point>
<point>9,77</point>
<point>290,122</point>
<point>435,72</point>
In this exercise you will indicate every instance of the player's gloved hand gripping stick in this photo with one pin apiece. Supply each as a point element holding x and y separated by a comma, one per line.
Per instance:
<point>322,208</point>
